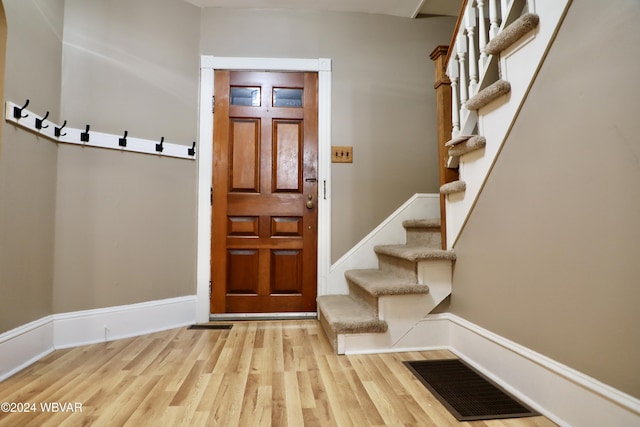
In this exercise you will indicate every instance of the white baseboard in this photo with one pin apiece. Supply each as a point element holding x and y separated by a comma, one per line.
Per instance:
<point>562,394</point>
<point>108,324</point>
<point>427,334</point>
<point>26,344</point>
<point>559,392</point>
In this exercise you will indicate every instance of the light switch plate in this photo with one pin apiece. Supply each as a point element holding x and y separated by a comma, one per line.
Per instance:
<point>341,154</point>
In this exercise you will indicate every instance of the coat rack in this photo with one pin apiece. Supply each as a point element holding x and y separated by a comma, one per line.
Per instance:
<point>39,125</point>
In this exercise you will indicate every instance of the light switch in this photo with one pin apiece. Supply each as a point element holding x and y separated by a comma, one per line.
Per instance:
<point>340,154</point>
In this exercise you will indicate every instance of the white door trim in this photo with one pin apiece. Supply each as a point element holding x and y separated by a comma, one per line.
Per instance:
<point>205,162</point>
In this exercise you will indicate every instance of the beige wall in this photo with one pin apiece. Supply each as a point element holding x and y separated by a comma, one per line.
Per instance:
<point>383,101</point>
<point>132,65</point>
<point>549,257</point>
<point>28,164</point>
<point>3,50</point>
<point>125,222</point>
<point>125,229</point>
<point>107,228</point>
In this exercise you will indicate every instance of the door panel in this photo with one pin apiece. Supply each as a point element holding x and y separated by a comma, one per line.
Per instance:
<point>264,214</point>
<point>287,156</point>
<point>244,147</point>
<point>286,272</point>
<point>244,264</point>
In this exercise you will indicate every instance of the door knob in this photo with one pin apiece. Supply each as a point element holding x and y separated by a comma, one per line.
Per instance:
<point>310,202</point>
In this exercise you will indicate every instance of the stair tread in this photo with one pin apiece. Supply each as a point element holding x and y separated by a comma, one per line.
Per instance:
<point>514,32</point>
<point>421,223</point>
<point>453,187</point>
<point>457,140</point>
<point>474,143</point>
<point>415,253</point>
<point>347,316</point>
<point>383,283</point>
<point>488,94</point>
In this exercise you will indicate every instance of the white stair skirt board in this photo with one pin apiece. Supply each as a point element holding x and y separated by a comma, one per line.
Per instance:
<point>389,232</point>
<point>402,313</point>
<point>26,344</point>
<point>519,65</point>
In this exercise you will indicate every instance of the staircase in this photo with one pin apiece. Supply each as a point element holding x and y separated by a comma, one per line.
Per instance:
<point>498,50</point>
<point>384,304</point>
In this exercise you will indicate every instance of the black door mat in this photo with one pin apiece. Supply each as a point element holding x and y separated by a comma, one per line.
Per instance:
<point>466,393</point>
<point>209,326</point>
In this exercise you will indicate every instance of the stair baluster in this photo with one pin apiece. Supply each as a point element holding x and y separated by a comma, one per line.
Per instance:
<point>470,21</point>
<point>463,82</point>
<point>482,35</point>
<point>452,72</point>
<point>494,26</point>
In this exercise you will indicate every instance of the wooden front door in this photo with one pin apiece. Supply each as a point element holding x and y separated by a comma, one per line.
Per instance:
<point>265,190</point>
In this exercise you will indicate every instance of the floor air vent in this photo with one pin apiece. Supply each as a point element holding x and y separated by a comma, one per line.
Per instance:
<point>467,394</point>
<point>209,326</point>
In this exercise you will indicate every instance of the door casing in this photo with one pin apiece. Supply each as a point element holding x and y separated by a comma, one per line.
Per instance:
<point>205,164</point>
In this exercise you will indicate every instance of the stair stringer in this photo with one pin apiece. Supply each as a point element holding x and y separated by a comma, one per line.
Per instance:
<point>519,65</point>
<point>403,313</point>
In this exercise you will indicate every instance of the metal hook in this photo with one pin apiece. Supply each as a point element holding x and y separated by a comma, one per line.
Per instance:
<point>192,151</point>
<point>39,122</point>
<point>160,147</point>
<point>122,142</point>
<point>17,111</point>
<point>84,136</point>
<point>58,129</point>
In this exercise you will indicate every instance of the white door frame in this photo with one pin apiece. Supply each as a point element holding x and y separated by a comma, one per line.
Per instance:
<point>205,162</point>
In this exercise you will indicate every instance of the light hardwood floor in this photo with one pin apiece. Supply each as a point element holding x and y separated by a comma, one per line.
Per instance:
<point>256,374</point>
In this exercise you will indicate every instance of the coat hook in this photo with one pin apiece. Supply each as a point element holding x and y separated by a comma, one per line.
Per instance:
<point>192,151</point>
<point>122,142</point>
<point>39,122</point>
<point>84,136</point>
<point>17,111</point>
<point>160,147</point>
<point>58,129</point>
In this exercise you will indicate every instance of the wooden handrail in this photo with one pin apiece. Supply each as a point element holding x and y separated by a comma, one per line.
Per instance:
<point>452,43</point>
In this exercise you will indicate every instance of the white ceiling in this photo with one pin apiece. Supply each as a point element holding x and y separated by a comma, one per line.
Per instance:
<point>404,8</point>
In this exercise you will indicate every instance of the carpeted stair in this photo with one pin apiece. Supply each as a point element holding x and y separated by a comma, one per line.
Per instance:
<point>385,306</point>
<point>465,144</point>
<point>382,303</point>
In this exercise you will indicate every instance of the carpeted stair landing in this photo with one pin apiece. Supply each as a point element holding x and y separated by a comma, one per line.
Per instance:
<point>397,275</point>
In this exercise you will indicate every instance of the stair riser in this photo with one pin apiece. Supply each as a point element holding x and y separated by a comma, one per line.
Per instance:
<point>402,313</point>
<point>435,273</point>
<point>331,335</point>
<point>363,297</point>
<point>428,237</point>
<point>398,266</point>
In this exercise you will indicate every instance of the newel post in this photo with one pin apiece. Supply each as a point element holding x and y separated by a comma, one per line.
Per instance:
<point>443,110</point>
